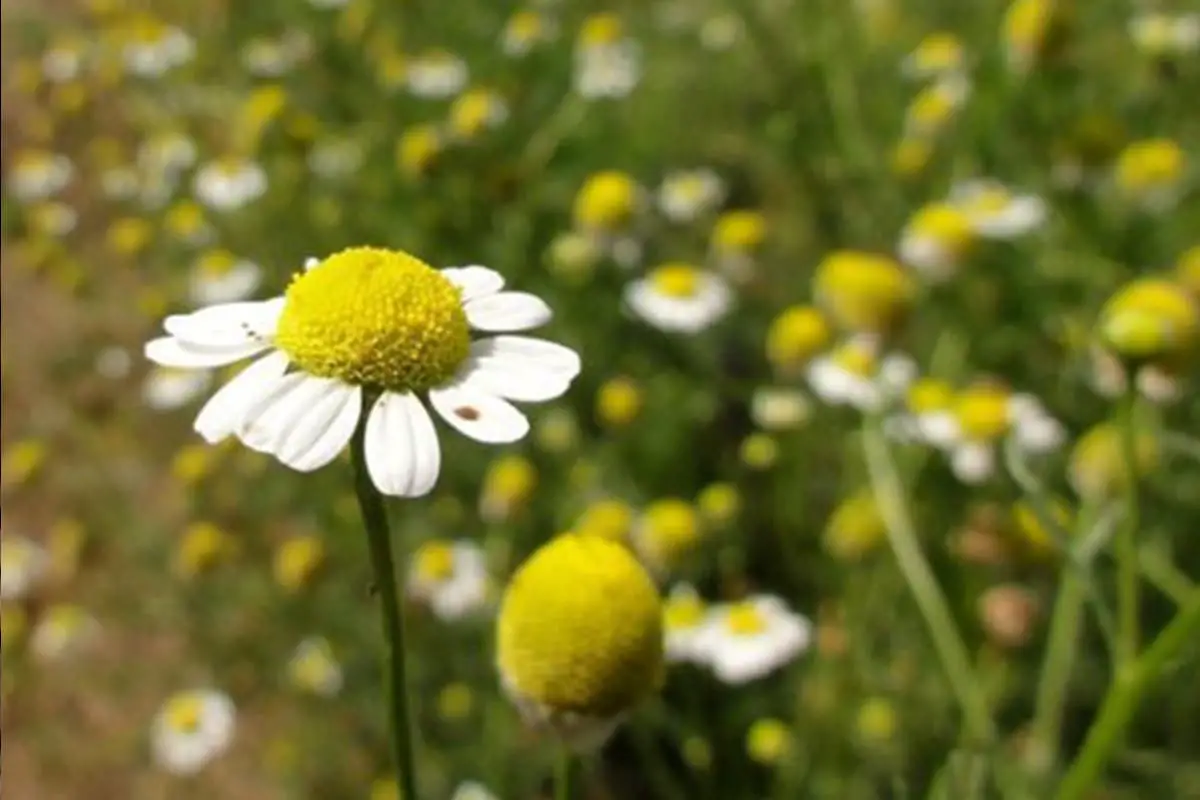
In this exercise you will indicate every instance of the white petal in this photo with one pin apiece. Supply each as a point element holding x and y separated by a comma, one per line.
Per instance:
<point>227,324</point>
<point>474,281</point>
<point>324,430</point>
<point>493,370</point>
<point>284,413</point>
<point>507,311</point>
<point>402,451</point>
<point>973,462</point>
<point>549,355</point>
<point>171,352</point>
<point>224,411</point>
<point>483,417</point>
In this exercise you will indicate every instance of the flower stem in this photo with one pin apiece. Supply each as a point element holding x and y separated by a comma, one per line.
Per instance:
<point>1124,696</point>
<point>562,775</point>
<point>389,588</point>
<point>1128,615</point>
<point>1057,668</point>
<point>922,583</point>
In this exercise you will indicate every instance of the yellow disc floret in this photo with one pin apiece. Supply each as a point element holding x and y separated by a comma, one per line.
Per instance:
<point>375,318</point>
<point>676,280</point>
<point>184,712</point>
<point>580,629</point>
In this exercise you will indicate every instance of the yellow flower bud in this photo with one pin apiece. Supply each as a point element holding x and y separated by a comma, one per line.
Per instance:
<point>667,532</point>
<point>298,561</point>
<point>795,336</point>
<point>507,487</point>
<point>768,741</point>
<point>863,291</point>
<point>607,201</point>
<point>1097,466</point>
<point>856,527</point>
<point>618,402</point>
<point>1151,319</point>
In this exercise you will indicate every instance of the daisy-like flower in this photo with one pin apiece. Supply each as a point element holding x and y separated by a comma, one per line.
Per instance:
<point>508,487</point>
<point>152,48</point>
<point>748,640</point>
<point>1152,173</point>
<point>687,195</point>
<point>436,75</point>
<point>864,292</point>
<point>476,111</point>
<point>684,615</point>
<point>472,790</point>
<point>610,72</point>
<point>23,565</point>
<point>192,729</point>
<point>314,669</point>
<point>580,638</point>
<point>63,628</point>
<point>230,184</point>
<point>168,388</point>
<point>1162,35</point>
<point>935,106</point>
<point>986,414</point>
<point>368,323</point>
<point>940,53</point>
<point>451,577</point>
<point>524,30</point>
<point>667,531</point>
<point>855,374</point>
<point>796,335</point>
<point>680,298</point>
<point>735,242</point>
<point>936,240</point>
<point>777,408</point>
<point>37,175</point>
<point>218,276</point>
<point>607,209</point>
<point>995,212</point>
<point>928,416</point>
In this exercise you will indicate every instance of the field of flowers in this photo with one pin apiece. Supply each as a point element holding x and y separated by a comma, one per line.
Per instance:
<point>718,399</point>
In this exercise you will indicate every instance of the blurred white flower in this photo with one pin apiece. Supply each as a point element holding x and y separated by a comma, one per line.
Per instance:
<point>608,72</point>
<point>313,668</point>
<point>684,618</point>
<point>687,195</point>
<point>37,175</point>
<point>1165,35</point>
<point>472,790</point>
<point>62,629</point>
<point>856,375</point>
<point>167,388</point>
<point>437,75</point>
<point>230,184</point>
<point>995,212</point>
<point>63,62</point>
<point>23,565</point>
<point>191,729</point>
<point>745,641</point>
<point>53,219</point>
<point>778,408</point>
<point>273,58</point>
<point>334,159</point>
<point>451,577</point>
<point>680,298</point>
<point>156,49</point>
<point>983,417</point>
<point>166,155</point>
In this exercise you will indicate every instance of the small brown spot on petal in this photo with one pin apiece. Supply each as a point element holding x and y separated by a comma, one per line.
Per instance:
<point>469,413</point>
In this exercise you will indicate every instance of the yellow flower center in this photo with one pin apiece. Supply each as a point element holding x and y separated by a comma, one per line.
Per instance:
<point>910,156</point>
<point>983,413</point>
<point>928,395</point>
<point>472,112</point>
<point>676,280</point>
<point>618,402</point>
<point>740,231</point>
<point>670,529</point>
<point>745,619</point>
<point>216,264</point>
<point>856,527</point>
<point>511,480</point>
<point>719,503</point>
<point>184,713</point>
<point>204,546</point>
<point>1150,164</point>
<point>938,52</point>
<point>682,611</point>
<point>313,667</point>
<point>297,561</point>
<point>932,107</point>
<point>525,25</point>
<point>989,200</point>
<point>375,318</point>
<point>435,561</point>
<point>856,359</point>
<point>185,218</point>
<point>601,29</point>
<point>417,149</point>
<point>580,628</point>
<point>1026,23</point>
<point>863,291</point>
<point>607,200</point>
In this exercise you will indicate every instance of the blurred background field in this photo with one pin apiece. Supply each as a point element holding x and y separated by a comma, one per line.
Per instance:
<point>849,281</point>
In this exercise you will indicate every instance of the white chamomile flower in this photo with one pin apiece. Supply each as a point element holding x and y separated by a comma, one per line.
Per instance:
<point>314,669</point>
<point>451,577</point>
<point>168,388</point>
<point>220,277</point>
<point>61,630</point>
<point>983,417</point>
<point>680,298</point>
<point>995,211</point>
<point>855,374</point>
<point>472,790</point>
<point>230,184</point>
<point>936,240</point>
<point>154,49</point>
<point>437,75</point>
<point>1166,35</point>
<point>37,175</point>
<point>23,565</point>
<point>609,72</point>
<point>748,640</point>
<point>191,729</point>
<point>335,159</point>
<point>684,618</point>
<point>378,326</point>
<point>779,408</point>
<point>928,416</point>
<point>687,195</point>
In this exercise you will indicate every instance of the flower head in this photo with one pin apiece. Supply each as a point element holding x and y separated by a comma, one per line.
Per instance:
<point>796,335</point>
<point>451,577</point>
<point>607,201</point>
<point>191,729</point>
<point>507,487</point>
<point>62,629</point>
<point>863,292</point>
<point>1151,320</point>
<point>436,75</point>
<point>749,639</point>
<point>580,637</point>
<point>690,194</point>
<point>1152,173</point>
<point>684,615</point>
<point>857,374</point>
<point>995,212</point>
<point>680,298</point>
<point>314,669</point>
<point>667,531</point>
<point>936,240</point>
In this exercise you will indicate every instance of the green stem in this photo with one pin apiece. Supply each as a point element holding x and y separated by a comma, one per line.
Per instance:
<point>389,589</point>
<point>1124,697</point>
<point>1128,615</point>
<point>922,583</point>
<point>1056,670</point>
<point>1165,576</point>
<point>562,775</point>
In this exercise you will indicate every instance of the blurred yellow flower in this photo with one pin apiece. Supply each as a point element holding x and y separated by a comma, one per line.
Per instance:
<point>600,30</point>
<point>607,201</point>
<point>796,335</point>
<point>314,669</point>
<point>740,231</point>
<point>667,531</point>
<point>573,256</point>
<point>202,548</point>
<point>618,402</point>
<point>476,111</point>
<point>877,721</point>
<point>455,702</point>
<point>759,451</point>
<point>418,149</point>
<point>186,220</point>
<point>1151,172</point>
<point>557,431</point>
<point>983,412</point>
<point>768,741</point>
<point>932,110</point>
<point>936,240</point>
<point>911,155</point>
<point>1151,319</point>
<point>262,106</point>
<point>298,561</point>
<point>68,538</point>
<point>524,29</point>
<point>22,460</point>
<point>937,54</point>
<point>1033,534</point>
<point>607,519</point>
<point>508,486</point>
<point>856,527</point>
<point>697,752</point>
<point>719,504</point>
<point>1097,467</point>
<point>580,637</point>
<point>1029,29</point>
<point>864,292</point>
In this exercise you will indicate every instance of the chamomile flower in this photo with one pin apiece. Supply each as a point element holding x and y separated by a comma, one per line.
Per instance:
<point>313,668</point>
<point>995,212</point>
<point>610,71</point>
<point>1163,35</point>
<point>1030,28</point>
<point>476,111</point>
<point>368,323</point>
<point>796,335</point>
<point>580,638</point>
<point>62,629</point>
<point>436,75</point>
<point>680,298</point>
<point>230,184</point>
<point>667,531</point>
<point>935,106</point>
<point>472,790</point>
<point>984,416</point>
<point>168,388</point>
<point>1152,173</point>
<point>863,292</point>
<point>524,30</point>
<point>856,374</point>
<point>218,276</point>
<point>928,416</point>
<point>940,53</point>
<point>191,729</point>
<point>778,408</point>
<point>508,487</point>
<point>744,641</point>
<point>152,48</point>
<point>684,617</point>
<point>37,175</point>
<point>607,209</point>
<point>936,240</point>
<point>451,577</point>
<point>736,240</point>
<point>23,566</point>
<point>687,195</point>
